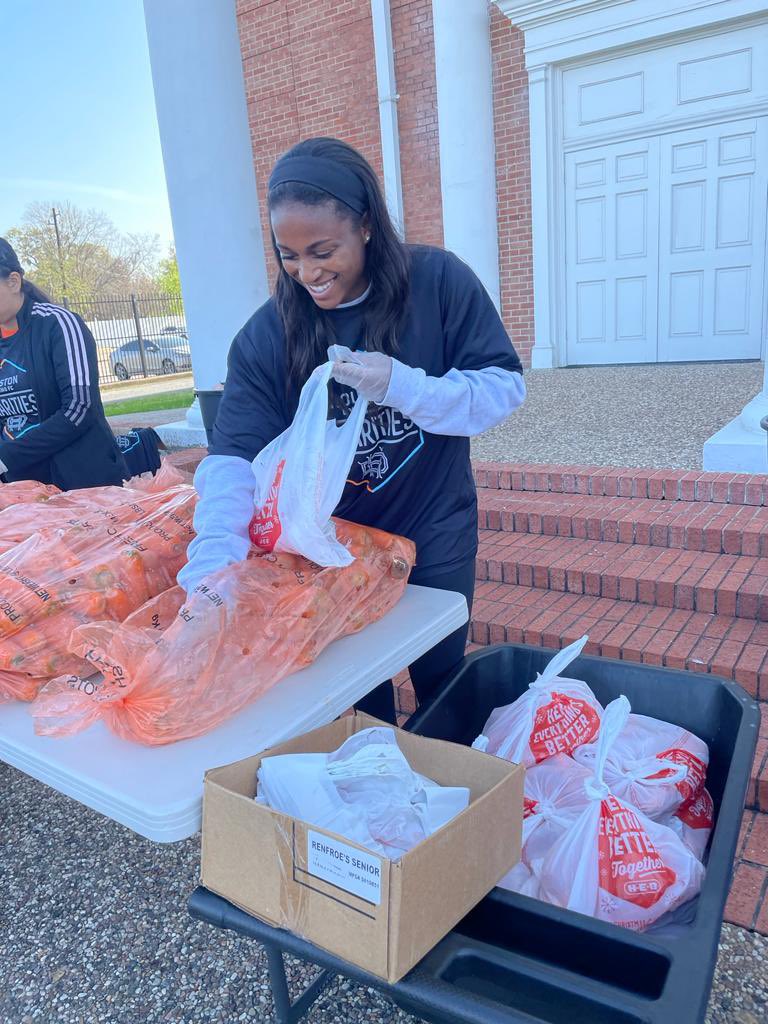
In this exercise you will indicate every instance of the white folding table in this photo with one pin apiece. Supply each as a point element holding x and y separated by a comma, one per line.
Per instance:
<point>157,791</point>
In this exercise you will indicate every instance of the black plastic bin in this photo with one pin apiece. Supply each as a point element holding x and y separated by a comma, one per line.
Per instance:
<point>209,406</point>
<point>516,960</point>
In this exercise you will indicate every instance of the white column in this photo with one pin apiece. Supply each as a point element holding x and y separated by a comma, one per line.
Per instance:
<point>197,73</point>
<point>741,446</point>
<point>467,147</point>
<point>543,193</point>
<point>388,97</point>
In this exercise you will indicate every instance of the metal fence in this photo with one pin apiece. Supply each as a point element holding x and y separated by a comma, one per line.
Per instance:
<point>136,335</point>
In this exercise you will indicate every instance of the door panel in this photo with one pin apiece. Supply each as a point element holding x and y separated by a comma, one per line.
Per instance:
<point>612,216</point>
<point>712,241</point>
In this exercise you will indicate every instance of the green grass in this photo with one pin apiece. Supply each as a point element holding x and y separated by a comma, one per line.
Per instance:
<point>151,403</point>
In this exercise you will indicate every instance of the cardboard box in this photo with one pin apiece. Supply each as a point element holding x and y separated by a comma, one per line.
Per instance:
<point>381,915</point>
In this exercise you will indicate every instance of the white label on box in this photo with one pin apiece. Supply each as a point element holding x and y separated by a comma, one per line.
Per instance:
<point>344,866</point>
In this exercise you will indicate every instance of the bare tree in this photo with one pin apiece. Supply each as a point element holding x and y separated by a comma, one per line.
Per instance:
<point>94,258</point>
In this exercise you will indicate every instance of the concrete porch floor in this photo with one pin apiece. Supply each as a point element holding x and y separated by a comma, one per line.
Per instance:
<point>656,416</point>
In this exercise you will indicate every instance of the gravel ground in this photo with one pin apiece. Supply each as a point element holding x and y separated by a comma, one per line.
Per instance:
<point>655,416</point>
<point>93,929</point>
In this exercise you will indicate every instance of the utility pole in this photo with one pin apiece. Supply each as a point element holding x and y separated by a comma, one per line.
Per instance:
<point>58,249</point>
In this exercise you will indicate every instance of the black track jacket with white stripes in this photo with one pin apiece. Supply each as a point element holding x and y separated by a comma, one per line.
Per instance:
<point>53,425</point>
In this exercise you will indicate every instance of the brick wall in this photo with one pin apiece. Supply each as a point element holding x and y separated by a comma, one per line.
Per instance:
<point>310,70</point>
<point>513,181</point>
<point>414,46</point>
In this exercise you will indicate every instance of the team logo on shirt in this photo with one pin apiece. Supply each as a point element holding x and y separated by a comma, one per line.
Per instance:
<point>375,465</point>
<point>18,405</point>
<point>388,441</point>
<point>17,426</point>
<point>127,442</point>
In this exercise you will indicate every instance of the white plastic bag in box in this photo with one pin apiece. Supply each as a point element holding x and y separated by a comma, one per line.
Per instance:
<point>654,765</point>
<point>553,716</point>
<point>300,476</point>
<point>365,791</point>
<point>614,863</point>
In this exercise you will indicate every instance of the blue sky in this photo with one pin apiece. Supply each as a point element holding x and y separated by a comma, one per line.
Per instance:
<point>79,118</point>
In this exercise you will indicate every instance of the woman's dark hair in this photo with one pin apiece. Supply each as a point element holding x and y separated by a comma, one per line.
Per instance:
<point>308,332</point>
<point>9,264</point>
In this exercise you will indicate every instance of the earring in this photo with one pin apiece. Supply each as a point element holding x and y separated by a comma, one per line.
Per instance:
<point>367,238</point>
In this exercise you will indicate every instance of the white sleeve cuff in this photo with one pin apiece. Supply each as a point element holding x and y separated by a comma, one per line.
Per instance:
<point>226,486</point>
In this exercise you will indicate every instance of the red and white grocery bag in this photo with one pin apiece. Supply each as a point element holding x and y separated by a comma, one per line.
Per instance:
<point>554,716</point>
<point>300,477</point>
<point>654,765</point>
<point>693,821</point>
<point>614,863</point>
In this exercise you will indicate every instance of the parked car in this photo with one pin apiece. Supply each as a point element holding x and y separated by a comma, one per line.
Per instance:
<point>168,354</point>
<point>179,332</point>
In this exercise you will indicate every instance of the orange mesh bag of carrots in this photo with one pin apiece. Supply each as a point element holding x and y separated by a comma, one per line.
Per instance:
<point>99,563</point>
<point>26,492</point>
<point>174,670</point>
<point>50,511</point>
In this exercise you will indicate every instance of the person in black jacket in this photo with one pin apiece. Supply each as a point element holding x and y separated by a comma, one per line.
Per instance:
<point>52,423</point>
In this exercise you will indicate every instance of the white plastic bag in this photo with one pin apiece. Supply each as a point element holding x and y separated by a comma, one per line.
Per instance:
<point>365,791</point>
<point>693,821</point>
<point>654,765</point>
<point>300,477</point>
<point>553,716</point>
<point>554,798</point>
<point>614,863</point>
<point>521,879</point>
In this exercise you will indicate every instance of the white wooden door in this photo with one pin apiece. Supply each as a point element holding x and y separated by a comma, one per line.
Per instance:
<point>665,235</point>
<point>612,217</point>
<point>712,241</point>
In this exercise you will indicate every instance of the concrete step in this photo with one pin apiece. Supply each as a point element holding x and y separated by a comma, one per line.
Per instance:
<point>686,525</point>
<point>729,585</point>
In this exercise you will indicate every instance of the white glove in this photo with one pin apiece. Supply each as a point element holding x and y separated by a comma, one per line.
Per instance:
<point>369,373</point>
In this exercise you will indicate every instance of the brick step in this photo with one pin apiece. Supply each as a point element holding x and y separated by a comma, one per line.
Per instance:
<point>748,900</point>
<point>687,525</point>
<point>629,481</point>
<point>726,585</point>
<point>675,638</point>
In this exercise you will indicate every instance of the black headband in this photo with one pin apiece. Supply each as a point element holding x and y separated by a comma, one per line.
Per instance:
<point>332,177</point>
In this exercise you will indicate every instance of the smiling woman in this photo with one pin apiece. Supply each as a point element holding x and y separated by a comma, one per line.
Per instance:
<point>416,335</point>
<point>334,238</point>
